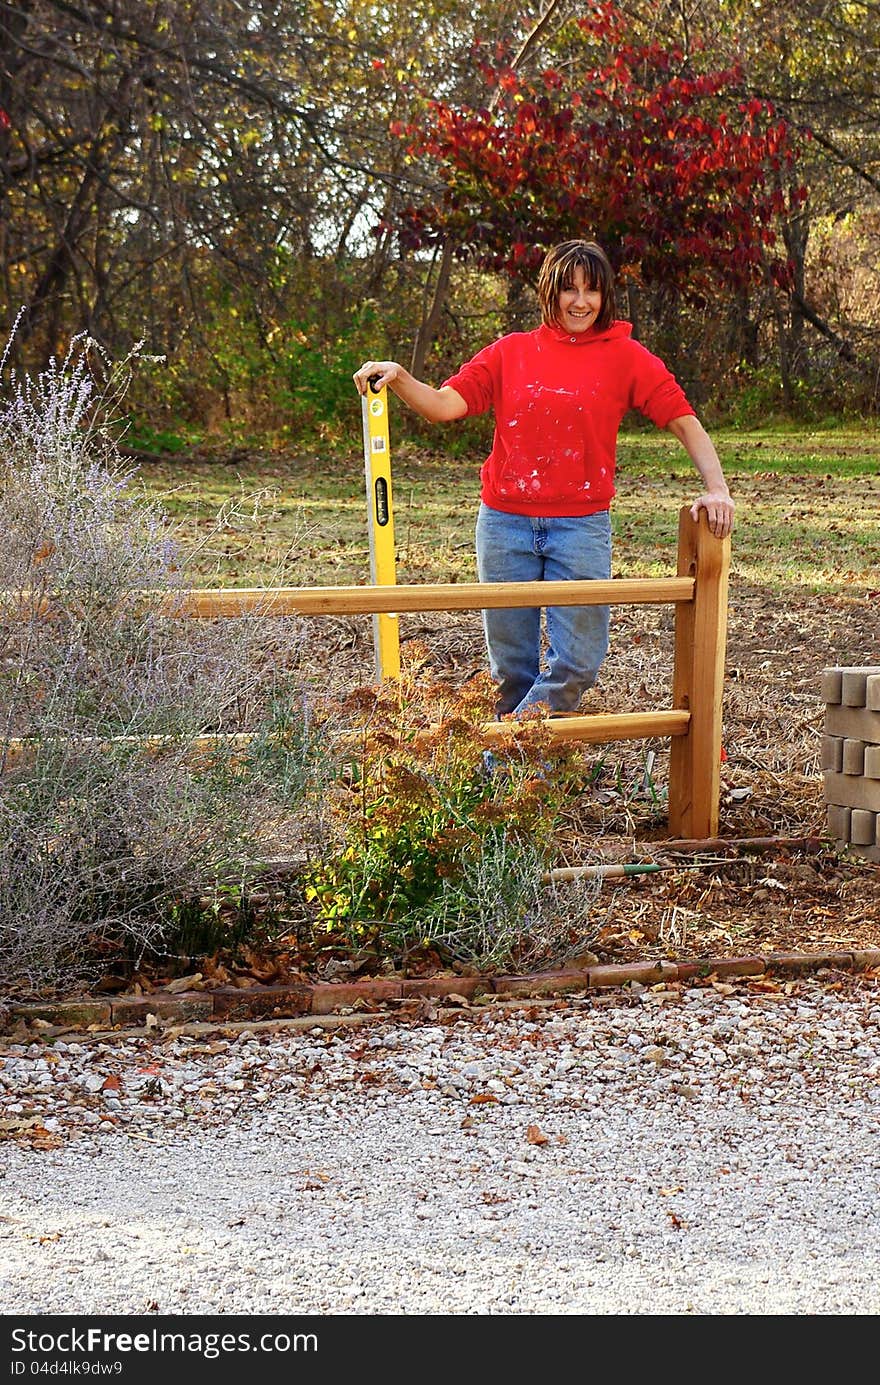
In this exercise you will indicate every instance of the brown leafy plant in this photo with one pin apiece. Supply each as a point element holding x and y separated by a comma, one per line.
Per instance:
<point>443,842</point>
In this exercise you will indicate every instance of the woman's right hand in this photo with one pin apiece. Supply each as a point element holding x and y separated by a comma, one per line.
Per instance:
<point>437,406</point>
<point>386,371</point>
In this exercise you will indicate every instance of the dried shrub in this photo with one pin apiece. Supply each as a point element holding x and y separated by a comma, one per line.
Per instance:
<point>106,831</point>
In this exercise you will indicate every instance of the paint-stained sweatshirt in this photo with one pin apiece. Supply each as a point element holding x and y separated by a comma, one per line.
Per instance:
<point>559,401</point>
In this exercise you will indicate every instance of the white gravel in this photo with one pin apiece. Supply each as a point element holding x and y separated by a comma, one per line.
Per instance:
<point>704,1150</point>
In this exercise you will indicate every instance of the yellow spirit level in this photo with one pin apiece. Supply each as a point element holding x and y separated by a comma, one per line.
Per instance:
<point>380,522</point>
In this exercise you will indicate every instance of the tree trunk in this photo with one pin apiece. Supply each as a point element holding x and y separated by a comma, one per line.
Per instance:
<point>744,329</point>
<point>518,307</point>
<point>795,232</point>
<point>431,316</point>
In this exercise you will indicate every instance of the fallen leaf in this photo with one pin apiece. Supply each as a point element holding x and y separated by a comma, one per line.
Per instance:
<point>14,1126</point>
<point>183,983</point>
<point>43,1140</point>
<point>110,984</point>
<point>482,1097</point>
<point>30,1131</point>
<point>113,1083</point>
<point>217,972</point>
<point>536,1136</point>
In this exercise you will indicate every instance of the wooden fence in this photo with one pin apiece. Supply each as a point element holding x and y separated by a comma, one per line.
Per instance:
<point>699,592</point>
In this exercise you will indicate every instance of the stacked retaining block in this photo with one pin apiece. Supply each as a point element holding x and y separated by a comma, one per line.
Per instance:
<point>851,758</point>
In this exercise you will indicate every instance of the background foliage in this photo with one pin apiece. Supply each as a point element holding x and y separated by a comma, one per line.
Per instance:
<point>235,184</point>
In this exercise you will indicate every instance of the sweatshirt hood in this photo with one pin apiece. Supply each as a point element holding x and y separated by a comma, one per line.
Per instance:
<point>617,331</point>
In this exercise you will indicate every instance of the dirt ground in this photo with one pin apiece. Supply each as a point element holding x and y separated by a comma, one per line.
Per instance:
<point>797,894</point>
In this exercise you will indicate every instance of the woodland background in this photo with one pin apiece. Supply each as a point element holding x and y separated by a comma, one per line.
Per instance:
<point>266,192</point>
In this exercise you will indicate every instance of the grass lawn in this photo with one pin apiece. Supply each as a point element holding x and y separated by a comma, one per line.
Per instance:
<point>808,509</point>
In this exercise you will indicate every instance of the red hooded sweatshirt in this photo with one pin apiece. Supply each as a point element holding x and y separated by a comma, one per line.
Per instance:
<point>559,401</point>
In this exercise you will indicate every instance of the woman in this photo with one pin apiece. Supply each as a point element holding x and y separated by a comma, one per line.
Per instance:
<point>559,394</point>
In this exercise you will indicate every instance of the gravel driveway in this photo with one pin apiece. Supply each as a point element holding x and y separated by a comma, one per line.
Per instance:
<point>706,1149</point>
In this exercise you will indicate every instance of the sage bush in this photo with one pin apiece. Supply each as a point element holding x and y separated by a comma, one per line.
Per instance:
<point>110,820</point>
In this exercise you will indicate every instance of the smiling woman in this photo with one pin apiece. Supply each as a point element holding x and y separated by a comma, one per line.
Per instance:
<point>559,394</point>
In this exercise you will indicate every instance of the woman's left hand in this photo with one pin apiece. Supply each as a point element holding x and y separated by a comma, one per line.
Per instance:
<point>719,512</point>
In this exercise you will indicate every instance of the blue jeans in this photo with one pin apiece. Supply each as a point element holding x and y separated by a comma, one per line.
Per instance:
<point>517,548</point>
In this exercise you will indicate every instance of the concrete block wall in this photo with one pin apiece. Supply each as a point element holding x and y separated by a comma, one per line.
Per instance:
<point>851,758</point>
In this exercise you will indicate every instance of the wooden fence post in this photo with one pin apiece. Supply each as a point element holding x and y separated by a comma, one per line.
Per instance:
<point>698,679</point>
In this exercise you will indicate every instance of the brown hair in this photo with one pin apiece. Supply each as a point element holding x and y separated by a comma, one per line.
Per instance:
<point>559,266</point>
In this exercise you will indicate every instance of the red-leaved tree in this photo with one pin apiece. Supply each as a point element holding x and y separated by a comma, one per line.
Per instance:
<point>678,177</point>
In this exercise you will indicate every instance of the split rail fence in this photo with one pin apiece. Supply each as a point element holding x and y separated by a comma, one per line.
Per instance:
<point>698,591</point>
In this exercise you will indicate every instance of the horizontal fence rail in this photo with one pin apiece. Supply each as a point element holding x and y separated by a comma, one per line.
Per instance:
<point>208,603</point>
<point>596,729</point>
<point>599,727</point>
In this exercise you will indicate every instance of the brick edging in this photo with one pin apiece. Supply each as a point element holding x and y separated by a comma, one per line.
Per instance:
<point>228,1004</point>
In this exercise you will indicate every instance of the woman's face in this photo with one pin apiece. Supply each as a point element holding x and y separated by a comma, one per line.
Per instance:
<point>579,305</point>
